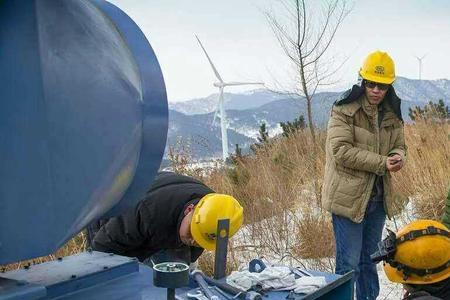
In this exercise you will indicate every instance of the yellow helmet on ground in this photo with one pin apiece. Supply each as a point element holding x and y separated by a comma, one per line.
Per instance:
<point>209,210</point>
<point>422,254</point>
<point>378,67</point>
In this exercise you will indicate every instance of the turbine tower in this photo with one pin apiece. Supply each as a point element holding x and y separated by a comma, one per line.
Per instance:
<point>221,109</point>
<point>419,59</point>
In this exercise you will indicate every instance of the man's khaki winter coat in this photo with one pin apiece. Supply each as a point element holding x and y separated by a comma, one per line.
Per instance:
<point>356,151</point>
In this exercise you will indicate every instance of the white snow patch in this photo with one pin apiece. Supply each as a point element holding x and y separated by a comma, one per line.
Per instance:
<point>274,131</point>
<point>247,131</point>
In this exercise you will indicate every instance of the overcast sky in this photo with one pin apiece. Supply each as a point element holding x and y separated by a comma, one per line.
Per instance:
<point>237,37</point>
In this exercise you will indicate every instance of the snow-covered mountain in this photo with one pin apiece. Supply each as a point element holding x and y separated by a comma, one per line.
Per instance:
<point>422,90</point>
<point>192,120</point>
<point>247,100</point>
<point>407,89</point>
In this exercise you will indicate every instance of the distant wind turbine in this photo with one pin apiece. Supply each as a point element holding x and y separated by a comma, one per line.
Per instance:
<point>420,65</point>
<point>220,108</point>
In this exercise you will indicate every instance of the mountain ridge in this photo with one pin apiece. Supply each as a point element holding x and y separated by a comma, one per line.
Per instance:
<point>414,90</point>
<point>246,116</point>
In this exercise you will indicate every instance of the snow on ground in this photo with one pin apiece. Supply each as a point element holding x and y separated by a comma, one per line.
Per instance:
<point>388,290</point>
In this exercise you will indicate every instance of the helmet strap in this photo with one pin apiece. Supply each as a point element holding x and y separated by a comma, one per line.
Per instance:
<point>430,230</point>
<point>408,271</point>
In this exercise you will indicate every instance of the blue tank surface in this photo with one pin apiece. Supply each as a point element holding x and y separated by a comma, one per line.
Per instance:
<point>83,122</point>
<point>95,275</point>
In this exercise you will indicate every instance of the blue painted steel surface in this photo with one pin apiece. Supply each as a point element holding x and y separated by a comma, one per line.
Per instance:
<point>11,289</point>
<point>74,273</point>
<point>155,111</point>
<point>338,287</point>
<point>136,286</point>
<point>125,279</point>
<point>83,122</point>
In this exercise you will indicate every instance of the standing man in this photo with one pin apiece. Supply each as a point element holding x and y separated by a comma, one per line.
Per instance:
<point>175,221</point>
<point>365,143</point>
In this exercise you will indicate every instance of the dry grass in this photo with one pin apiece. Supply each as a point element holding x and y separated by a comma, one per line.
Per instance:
<point>283,214</point>
<point>426,175</point>
<point>76,245</point>
<point>283,217</point>
<point>206,262</point>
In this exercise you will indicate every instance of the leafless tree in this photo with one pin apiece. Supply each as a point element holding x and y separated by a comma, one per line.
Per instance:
<point>305,33</point>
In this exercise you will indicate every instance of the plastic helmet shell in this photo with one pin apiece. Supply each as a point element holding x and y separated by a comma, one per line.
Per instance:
<point>209,210</point>
<point>424,252</point>
<point>378,67</point>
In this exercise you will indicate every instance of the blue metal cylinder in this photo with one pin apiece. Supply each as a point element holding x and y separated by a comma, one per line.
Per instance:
<point>83,120</point>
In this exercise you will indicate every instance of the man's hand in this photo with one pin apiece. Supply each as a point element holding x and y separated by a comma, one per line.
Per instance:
<point>394,163</point>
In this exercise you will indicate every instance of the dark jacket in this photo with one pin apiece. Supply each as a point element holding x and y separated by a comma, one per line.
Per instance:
<point>421,296</point>
<point>154,224</point>
<point>435,291</point>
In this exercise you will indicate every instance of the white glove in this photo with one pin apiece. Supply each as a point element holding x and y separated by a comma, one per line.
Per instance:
<point>273,278</point>
<point>306,285</point>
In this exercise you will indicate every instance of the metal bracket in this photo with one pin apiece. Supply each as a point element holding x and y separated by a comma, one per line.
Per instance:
<point>220,261</point>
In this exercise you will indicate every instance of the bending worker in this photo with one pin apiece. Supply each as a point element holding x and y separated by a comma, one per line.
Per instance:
<point>418,256</point>
<point>364,144</point>
<point>175,221</point>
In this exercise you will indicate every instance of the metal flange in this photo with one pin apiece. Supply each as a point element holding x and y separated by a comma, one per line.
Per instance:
<point>171,275</point>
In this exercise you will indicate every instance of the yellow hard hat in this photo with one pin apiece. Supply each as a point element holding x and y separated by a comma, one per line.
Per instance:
<point>378,67</point>
<point>209,210</point>
<point>422,254</point>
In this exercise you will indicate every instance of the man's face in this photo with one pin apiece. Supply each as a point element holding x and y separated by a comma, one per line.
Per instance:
<point>375,92</point>
<point>185,228</point>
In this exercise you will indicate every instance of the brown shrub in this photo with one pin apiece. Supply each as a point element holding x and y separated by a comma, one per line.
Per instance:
<point>426,175</point>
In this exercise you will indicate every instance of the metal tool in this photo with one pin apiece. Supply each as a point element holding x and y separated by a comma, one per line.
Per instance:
<point>305,272</point>
<point>225,295</point>
<point>300,272</point>
<point>196,295</point>
<point>199,278</point>
<point>245,295</point>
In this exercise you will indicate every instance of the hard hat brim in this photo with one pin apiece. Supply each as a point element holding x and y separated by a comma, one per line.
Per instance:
<point>376,79</point>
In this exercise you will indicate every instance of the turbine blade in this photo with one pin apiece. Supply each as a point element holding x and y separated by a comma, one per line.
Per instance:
<point>210,61</point>
<point>214,119</point>
<point>216,113</point>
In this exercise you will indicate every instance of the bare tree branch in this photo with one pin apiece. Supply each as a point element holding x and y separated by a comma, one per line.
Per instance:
<point>322,32</point>
<point>342,15</point>
<point>305,40</point>
<point>304,21</point>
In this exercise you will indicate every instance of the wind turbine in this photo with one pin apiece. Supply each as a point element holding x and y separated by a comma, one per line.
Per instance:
<point>221,109</point>
<point>420,65</point>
